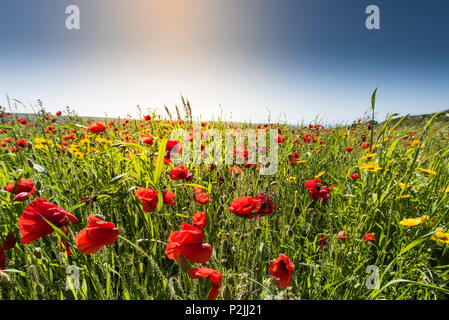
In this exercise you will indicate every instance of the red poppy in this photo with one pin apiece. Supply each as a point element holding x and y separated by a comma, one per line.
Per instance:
<point>168,197</point>
<point>173,145</point>
<point>281,269</point>
<point>148,197</point>
<point>214,276</point>
<point>316,190</point>
<point>96,127</point>
<point>203,198</point>
<point>197,190</point>
<point>97,234</point>
<point>179,172</point>
<point>354,176</point>
<point>199,220</point>
<point>147,117</point>
<point>368,237</point>
<point>323,240</point>
<point>342,235</point>
<point>263,205</point>
<point>365,145</point>
<point>22,143</point>
<point>349,149</point>
<point>147,140</point>
<point>243,206</point>
<point>33,226</point>
<point>22,189</point>
<point>190,242</point>
<point>58,113</point>
<point>235,170</point>
<point>9,243</point>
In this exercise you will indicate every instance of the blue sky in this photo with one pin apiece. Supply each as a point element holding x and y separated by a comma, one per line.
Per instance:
<point>298,59</point>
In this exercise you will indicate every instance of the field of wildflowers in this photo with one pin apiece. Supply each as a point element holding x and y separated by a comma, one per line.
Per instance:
<point>98,210</point>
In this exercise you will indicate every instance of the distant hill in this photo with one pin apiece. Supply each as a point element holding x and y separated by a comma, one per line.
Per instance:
<point>422,119</point>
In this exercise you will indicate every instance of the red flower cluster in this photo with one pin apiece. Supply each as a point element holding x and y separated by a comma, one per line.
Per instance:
<point>149,198</point>
<point>252,207</point>
<point>22,189</point>
<point>199,220</point>
<point>190,242</point>
<point>316,190</point>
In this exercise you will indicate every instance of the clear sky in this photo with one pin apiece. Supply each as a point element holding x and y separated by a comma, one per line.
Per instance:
<point>299,59</point>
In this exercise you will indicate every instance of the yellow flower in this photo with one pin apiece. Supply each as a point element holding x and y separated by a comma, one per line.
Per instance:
<point>369,155</point>
<point>41,147</point>
<point>79,155</point>
<point>445,190</point>
<point>319,174</point>
<point>415,143</point>
<point>411,222</point>
<point>290,179</point>
<point>371,167</point>
<point>85,141</point>
<point>403,185</point>
<point>427,171</point>
<point>441,238</point>
<point>403,197</point>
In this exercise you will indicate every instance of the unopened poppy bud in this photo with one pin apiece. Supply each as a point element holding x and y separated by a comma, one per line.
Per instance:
<point>290,232</point>
<point>39,288</point>
<point>29,145</point>
<point>184,264</point>
<point>226,244</point>
<point>38,185</point>
<point>296,211</point>
<point>69,170</point>
<point>69,154</point>
<point>273,183</point>
<point>30,163</point>
<point>85,174</point>
<point>90,188</point>
<point>227,293</point>
<point>4,277</point>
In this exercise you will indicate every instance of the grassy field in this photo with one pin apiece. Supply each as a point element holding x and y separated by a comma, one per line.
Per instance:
<point>380,209</point>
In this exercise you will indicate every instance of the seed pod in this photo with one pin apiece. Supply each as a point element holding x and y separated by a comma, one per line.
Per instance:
<point>39,288</point>
<point>4,277</point>
<point>296,211</point>
<point>227,295</point>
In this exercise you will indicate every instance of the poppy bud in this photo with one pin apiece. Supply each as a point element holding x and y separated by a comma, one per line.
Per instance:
<point>29,145</point>
<point>227,293</point>
<point>69,154</point>
<point>30,163</point>
<point>39,288</point>
<point>296,211</point>
<point>90,188</point>
<point>290,232</point>
<point>85,174</point>
<point>4,277</point>
<point>38,185</point>
<point>226,244</point>
<point>184,264</point>
<point>69,170</point>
